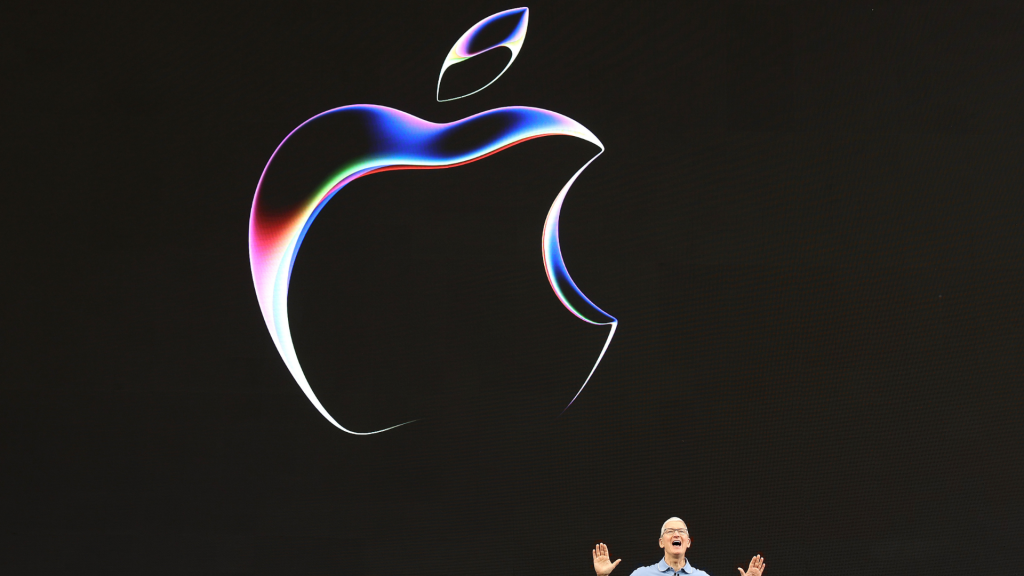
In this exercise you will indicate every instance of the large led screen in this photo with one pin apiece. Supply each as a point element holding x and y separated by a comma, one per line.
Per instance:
<point>462,288</point>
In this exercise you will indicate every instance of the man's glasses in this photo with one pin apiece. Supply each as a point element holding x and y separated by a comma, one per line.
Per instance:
<point>679,531</point>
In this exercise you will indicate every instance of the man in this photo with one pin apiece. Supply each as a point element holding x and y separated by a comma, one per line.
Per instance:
<point>675,539</point>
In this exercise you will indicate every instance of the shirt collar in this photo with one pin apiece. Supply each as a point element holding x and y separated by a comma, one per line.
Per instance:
<point>664,567</point>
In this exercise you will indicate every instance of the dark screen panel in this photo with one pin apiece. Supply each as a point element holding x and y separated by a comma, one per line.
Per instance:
<point>805,220</point>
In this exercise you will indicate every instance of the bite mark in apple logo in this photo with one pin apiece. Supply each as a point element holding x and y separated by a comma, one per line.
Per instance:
<point>364,139</point>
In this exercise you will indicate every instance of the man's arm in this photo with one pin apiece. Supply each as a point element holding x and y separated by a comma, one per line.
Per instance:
<point>602,563</point>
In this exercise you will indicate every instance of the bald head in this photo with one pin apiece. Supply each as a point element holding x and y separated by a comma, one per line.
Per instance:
<point>672,519</point>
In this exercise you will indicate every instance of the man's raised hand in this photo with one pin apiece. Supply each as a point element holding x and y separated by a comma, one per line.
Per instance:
<point>602,564</point>
<point>756,567</point>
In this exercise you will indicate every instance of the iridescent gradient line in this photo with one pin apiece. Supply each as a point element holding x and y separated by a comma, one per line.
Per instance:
<point>461,51</point>
<point>281,214</point>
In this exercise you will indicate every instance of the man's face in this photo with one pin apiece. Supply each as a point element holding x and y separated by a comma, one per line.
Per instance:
<point>675,539</point>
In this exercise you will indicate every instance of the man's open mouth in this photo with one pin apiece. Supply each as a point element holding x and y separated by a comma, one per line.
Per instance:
<point>677,542</point>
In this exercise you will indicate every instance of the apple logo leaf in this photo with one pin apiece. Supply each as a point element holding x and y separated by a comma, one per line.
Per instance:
<point>486,35</point>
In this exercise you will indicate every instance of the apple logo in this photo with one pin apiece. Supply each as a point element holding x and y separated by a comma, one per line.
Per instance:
<point>322,155</point>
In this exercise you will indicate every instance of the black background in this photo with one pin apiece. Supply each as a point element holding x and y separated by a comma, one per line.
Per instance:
<point>806,220</point>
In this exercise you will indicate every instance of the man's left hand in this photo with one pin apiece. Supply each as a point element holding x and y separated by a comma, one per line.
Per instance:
<point>756,567</point>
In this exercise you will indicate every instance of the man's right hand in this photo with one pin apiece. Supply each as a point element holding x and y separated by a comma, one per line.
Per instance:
<point>602,564</point>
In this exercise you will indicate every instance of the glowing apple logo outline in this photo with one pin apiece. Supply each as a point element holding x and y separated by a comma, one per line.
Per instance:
<point>282,212</point>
